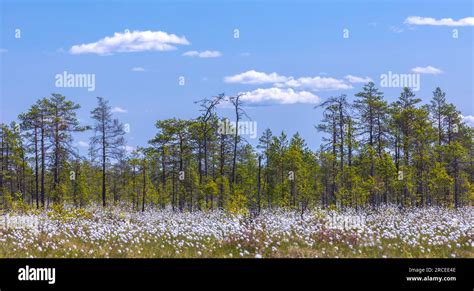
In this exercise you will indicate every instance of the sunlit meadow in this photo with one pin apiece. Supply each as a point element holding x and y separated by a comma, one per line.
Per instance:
<point>117,232</point>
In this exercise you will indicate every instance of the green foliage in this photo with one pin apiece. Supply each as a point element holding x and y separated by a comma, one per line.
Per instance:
<point>63,214</point>
<point>238,203</point>
<point>372,153</point>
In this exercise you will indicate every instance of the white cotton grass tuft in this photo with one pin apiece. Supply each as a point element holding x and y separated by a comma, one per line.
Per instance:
<point>117,232</point>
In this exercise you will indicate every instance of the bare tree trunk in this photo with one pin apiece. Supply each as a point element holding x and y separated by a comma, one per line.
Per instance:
<point>163,172</point>
<point>36,167</point>
<point>259,184</point>
<point>104,203</point>
<point>43,166</point>
<point>221,184</point>
<point>332,197</point>
<point>144,185</point>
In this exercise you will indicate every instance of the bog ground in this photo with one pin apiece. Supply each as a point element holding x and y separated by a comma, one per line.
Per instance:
<point>118,232</point>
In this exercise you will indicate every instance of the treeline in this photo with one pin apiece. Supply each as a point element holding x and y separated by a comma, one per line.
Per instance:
<point>373,153</point>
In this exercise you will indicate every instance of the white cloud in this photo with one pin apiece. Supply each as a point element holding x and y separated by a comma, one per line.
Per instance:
<point>279,96</point>
<point>203,54</point>
<point>83,144</point>
<point>126,42</point>
<point>468,119</point>
<point>312,83</point>
<point>315,83</point>
<point>427,70</point>
<point>254,77</point>
<point>3,51</point>
<point>245,54</point>
<point>118,109</point>
<point>355,79</point>
<point>138,69</point>
<point>417,20</point>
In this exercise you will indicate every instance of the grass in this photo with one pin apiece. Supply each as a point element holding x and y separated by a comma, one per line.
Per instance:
<point>159,234</point>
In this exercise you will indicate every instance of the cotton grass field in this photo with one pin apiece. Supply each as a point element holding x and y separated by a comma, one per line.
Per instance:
<point>320,233</point>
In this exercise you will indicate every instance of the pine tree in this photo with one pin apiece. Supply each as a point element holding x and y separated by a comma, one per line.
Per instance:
<point>62,123</point>
<point>108,138</point>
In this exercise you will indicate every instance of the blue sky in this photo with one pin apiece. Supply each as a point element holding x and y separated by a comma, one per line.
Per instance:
<point>289,56</point>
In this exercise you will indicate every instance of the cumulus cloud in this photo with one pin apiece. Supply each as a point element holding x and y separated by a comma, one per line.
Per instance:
<point>427,70</point>
<point>315,83</point>
<point>287,89</point>
<point>279,96</point>
<point>118,109</point>
<point>138,69</point>
<point>203,54</point>
<point>355,79</point>
<point>468,119</point>
<point>279,81</point>
<point>135,41</point>
<point>417,20</point>
<point>254,77</point>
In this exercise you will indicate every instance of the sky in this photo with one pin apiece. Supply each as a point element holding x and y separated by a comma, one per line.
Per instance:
<point>152,60</point>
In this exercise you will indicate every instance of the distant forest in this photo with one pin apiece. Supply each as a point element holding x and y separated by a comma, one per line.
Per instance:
<point>373,153</point>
